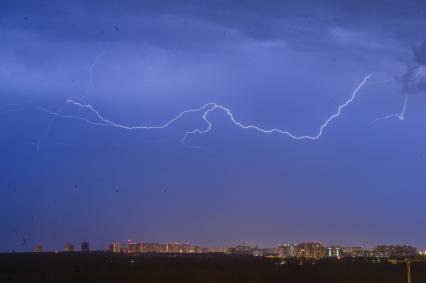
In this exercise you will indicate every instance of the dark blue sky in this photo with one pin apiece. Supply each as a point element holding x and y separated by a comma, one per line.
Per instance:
<point>282,64</point>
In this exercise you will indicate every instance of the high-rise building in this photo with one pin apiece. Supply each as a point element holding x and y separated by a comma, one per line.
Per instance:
<point>115,247</point>
<point>176,248</point>
<point>310,250</point>
<point>220,249</point>
<point>334,251</point>
<point>394,251</point>
<point>132,247</point>
<point>354,252</point>
<point>154,248</point>
<point>185,248</point>
<point>85,247</point>
<point>136,247</point>
<point>173,248</point>
<point>150,248</point>
<point>282,251</point>
<point>195,249</point>
<point>68,248</point>
<point>163,248</point>
<point>37,248</point>
<point>287,250</point>
<point>198,250</point>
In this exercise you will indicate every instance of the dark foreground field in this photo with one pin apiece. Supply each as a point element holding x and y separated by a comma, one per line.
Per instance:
<point>106,267</point>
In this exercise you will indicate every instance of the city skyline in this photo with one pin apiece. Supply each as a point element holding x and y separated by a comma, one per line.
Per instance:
<point>304,250</point>
<point>212,122</point>
<point>125,246</point>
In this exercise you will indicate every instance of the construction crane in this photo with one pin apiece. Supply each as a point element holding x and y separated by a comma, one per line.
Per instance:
<point>408,262</point>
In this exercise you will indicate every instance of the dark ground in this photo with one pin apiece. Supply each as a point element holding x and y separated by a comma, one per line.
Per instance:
<point>106,267</point>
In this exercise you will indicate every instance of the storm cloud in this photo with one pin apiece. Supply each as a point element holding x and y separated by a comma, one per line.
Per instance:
<point>276,64</point>
<point>414,80</point>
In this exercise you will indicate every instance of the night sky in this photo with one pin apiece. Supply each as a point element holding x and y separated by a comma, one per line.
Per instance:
<point>276,64</point>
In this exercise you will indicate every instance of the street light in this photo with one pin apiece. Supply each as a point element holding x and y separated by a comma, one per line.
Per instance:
<point>408,262</point>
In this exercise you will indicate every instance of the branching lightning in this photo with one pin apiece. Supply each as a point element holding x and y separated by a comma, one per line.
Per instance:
<point>205,110</point>
<point>400,116</point>
<point>58,112</point>
<point>413,77</point>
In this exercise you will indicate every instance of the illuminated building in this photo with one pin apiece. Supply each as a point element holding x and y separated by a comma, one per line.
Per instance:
<point>147,247</point>
<point>354,252</point>
<point>394,251</point>
<point>334,251</point>
<point>37,248</point>
<point>115,247</point>
<point>138,247</point>
<point>199,250</point>
<point>85,247</point>
<point>195,250</point>
<point>68,248</point>
<point>287,250</point>
<point>132,247</point>
<point>222,249</point>
<point>151,248</point>
<point>310,250</point>
<point>185,248</point>
<point>163,248</point>
<point>173,248</point>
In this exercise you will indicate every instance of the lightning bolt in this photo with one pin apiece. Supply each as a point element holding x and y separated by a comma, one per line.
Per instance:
<point>205,110</point>
<point>58,112</point>
<point>400,116</point>
<point>91,69</point>
<point>284,132</point>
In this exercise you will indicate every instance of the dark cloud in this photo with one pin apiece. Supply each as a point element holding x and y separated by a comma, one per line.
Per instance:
<point>414,80</point>
<point>40,36</point>
<point>199,24</point>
